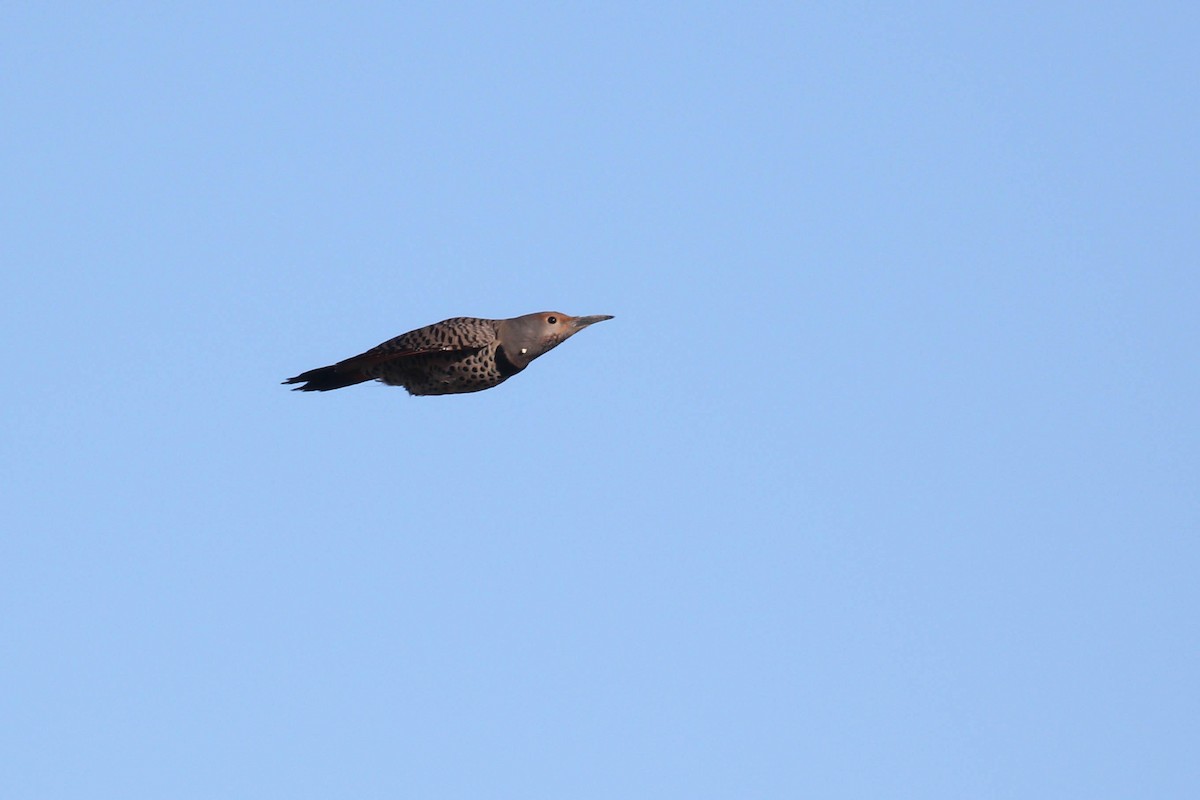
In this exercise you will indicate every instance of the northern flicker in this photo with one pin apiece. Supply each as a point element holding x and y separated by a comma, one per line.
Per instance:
<point>462,354</point>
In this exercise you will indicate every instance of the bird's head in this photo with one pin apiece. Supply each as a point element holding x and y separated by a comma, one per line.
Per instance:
<point>525,338</point>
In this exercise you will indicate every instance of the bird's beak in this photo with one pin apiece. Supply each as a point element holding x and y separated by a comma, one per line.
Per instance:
<point>579,323</point>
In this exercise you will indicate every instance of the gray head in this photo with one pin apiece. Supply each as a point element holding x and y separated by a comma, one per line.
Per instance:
<point>525,338</point>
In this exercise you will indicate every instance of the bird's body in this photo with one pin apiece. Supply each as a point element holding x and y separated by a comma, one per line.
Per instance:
<point>458,355</point>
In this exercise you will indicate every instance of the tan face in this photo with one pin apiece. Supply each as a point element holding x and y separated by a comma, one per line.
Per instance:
<point>535,334</point>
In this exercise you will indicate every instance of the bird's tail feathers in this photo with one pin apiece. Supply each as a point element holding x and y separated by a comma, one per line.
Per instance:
<point>323,379</point>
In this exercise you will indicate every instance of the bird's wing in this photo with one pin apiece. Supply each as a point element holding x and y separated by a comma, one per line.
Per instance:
<point>449,336</point>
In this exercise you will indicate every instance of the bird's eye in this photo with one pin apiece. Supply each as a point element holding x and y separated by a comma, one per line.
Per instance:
<point>552,320</point>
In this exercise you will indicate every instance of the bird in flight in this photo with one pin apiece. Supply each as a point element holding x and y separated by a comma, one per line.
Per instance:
<point>454,356</point>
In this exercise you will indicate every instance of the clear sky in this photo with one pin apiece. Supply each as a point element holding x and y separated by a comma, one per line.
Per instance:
<point>883,482</point>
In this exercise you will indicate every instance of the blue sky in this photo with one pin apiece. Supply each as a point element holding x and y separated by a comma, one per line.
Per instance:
<point>881,483</point>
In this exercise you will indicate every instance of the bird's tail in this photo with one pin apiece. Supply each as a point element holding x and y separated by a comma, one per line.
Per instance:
<point>323,379</point>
